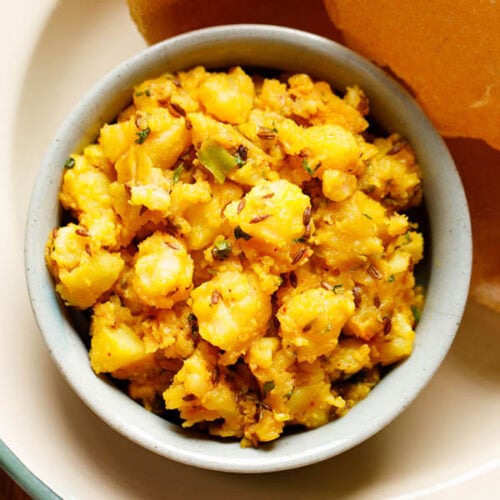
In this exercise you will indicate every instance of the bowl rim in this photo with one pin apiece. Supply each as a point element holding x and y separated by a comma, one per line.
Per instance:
<point>451,258</point>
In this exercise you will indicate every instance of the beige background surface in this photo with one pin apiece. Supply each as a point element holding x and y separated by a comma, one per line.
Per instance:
<point>446,445</point>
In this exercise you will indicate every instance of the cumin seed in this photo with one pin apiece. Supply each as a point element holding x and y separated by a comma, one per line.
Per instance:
<point>387,326</point>
<point>215,374</point>
<point>374,273</point>
<point>176,109</point>
<point>306,216</point>
<point>259,218</point>
<point>298,255</point>
<point>356,291</point>
<point>326,285</point>
<point>266,134</point>
<point>82,232</point>
<point>214,299</point>
<point>241,205</point>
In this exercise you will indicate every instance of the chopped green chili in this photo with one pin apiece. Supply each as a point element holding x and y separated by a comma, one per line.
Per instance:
<point>217,160</point>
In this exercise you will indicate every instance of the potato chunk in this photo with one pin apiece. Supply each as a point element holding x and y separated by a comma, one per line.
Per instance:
<point>163,271</point>
<point>228,96</point>
<point>231,310</point>
<point>115,343</point>
<point>273,212</point>
<point>310,322</point>
<point>84,271</point>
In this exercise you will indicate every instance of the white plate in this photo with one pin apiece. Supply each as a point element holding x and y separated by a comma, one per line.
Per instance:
<point>445,445</point>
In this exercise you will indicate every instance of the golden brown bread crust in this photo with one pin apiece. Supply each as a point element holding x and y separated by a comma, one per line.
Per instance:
<point>446,51</point>
<point>160,19</point>
<point>479,167</point>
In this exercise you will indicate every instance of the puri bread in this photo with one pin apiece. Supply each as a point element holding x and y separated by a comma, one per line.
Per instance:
<point>446,51</point>
<point>479,167</point>
<point>160,19</point>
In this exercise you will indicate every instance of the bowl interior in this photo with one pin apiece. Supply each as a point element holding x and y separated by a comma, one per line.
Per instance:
<point>446,273</point>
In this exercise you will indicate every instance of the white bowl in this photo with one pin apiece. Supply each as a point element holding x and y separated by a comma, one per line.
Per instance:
<point>446,271</point>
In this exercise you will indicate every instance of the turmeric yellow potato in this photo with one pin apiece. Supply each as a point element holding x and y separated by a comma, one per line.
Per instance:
<point>313,401</point>
<point>228,96</point>
<point>237,242</point>
<point>84,272</point>
<point>311,322</point>
<point>163,271</point>
<point>338,185</point>
<point>117,138</point>
<point>232,311</point>
<point>197,394</point>
<point>115,343</point>
<point>272,212</point>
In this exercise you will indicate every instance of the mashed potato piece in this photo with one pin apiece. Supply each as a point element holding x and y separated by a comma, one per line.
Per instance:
<point>242,247</point>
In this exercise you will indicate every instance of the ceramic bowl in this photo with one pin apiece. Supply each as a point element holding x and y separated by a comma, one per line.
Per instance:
<point>445,273</point>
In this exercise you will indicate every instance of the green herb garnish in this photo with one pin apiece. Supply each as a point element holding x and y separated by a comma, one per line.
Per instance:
<point>216,159</point>
<point>307,167</point>
<point>142,135</point>
<point>268,387</point>
<point>221,250</point>
<point>70,163</point>
<point>146,92</point>
<point>416,313</point>
<point>178,172</point>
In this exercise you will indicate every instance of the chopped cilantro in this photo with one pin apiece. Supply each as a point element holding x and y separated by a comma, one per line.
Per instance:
<point>268,386</point>
<point>307,167</point>
<point>178,172</point>
<point>70,163</point>
<point>142,135</point>
<point>146,92</point>
<point>416,313</point>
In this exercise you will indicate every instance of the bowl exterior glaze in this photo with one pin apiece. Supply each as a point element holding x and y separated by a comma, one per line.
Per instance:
<point>448,247</point>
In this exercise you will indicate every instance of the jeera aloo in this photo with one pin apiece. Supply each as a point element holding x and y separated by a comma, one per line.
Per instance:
<point>242,247</point>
